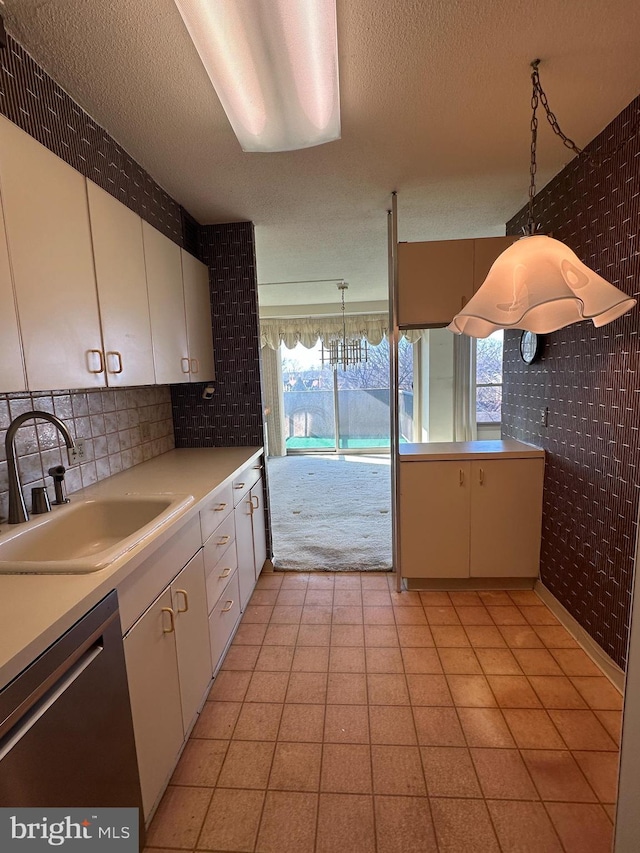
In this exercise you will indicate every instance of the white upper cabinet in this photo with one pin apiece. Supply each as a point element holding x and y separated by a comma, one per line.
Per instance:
<point>11,366</point>
<point>197,302</point>
<point>166,306</point>
<point>122,289</point>
<point>49,240</point>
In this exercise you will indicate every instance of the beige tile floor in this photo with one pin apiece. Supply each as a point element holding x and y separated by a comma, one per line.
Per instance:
<point>349,719</point>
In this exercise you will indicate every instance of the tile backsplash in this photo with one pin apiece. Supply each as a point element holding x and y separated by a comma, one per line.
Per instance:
<point>121,428</point>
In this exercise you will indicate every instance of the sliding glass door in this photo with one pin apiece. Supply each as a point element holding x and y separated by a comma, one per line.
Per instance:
<point>331,409</point>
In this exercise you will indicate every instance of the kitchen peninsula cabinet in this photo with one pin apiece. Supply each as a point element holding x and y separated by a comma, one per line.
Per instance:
<point>437,278</point>
<point>470,510</point>
<point>12,376</point>
<point>122,289</point>
<point>51,255</point>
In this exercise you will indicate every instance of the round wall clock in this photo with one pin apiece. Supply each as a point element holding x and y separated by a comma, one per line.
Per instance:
<point>530,347</point>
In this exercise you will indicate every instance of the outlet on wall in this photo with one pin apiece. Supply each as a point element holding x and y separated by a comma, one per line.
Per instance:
<point>544,416</point>
<point>78,452</point>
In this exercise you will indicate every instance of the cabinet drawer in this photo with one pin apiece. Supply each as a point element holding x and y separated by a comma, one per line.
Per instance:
<point>214,512</point>
<point>158,570</point>
<point>223,619</point>
<point>247,478</point>
<point>218,576</point>
<point>218,542</point>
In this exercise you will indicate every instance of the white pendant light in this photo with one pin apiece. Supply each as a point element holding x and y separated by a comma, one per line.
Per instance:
<point>538,284</point>
<point>274,66</point>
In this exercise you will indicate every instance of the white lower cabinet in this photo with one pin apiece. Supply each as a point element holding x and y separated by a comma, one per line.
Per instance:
<point>189,603</point>
<point>478,518</point>
<point>174,645</point>
<point>154,687</point>
<point>169,670</point>
<point>223,618</point>
<point>251,540</point>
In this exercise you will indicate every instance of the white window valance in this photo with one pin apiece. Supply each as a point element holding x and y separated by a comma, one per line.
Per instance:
<point>309,330</point>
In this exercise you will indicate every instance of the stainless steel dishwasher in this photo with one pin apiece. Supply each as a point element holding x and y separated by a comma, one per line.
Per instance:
<point>66,734</point>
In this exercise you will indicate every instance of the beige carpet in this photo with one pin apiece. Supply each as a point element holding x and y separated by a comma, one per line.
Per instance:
<point>330,513</point>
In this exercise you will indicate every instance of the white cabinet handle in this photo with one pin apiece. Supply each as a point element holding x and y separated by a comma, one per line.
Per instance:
<point>482,476</point>
<point>223,540</point>
<point>257,467</point>
<point>461,477</point>
<point>219,508</point>
<point>225,573</point>
<point>97,352</point>
<point>187,368</point>
<point>172,621</point>
<point>257,503</point>
<point>239,486</point>
<point>184,609</point>
<point>228,607</point>
<point>117,358</point>
<point>195,365</point>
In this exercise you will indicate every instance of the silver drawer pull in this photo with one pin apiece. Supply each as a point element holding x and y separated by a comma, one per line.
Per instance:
<point>219,508</point>
<point>223,540</point>
<point>239,486</point>
<point>228,607</point>
<point>257,467</point>
<point>225,573</point>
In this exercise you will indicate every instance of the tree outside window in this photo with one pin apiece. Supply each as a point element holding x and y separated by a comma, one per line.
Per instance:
<point>489,378</point>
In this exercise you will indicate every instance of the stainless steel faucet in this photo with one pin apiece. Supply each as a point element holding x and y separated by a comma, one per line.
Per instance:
<point>17,509</point>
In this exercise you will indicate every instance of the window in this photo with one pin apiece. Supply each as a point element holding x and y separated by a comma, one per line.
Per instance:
<point>489,378</point>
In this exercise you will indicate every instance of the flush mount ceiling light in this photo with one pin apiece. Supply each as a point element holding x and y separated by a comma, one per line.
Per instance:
<point>274,66</point>
<point>538,284</point>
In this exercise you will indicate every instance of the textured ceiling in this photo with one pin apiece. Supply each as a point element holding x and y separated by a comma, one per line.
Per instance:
<point>435,104</point>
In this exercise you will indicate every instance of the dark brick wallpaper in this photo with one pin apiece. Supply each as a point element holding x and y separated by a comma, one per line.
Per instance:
<point>590,380</point>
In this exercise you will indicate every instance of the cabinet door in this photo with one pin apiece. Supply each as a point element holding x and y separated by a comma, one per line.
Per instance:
<point>224,618</point>
<point>189,597</point>
<point>435,281</point>
<point>12,376</point>
<point>197,304</point>
<point>152,672</point>
<point>258,525</point>
<point>506,517</point>
<point>122,289</point>
<point>244,549</point>
<point>485,251</point>
<point>166,307</point>
<point>434,519</point>
<point>49,239</point>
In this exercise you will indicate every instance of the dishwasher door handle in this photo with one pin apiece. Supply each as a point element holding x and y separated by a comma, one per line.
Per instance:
<point>22,727</point>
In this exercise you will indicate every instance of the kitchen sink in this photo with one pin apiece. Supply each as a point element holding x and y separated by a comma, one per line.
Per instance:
<point>87,535</point>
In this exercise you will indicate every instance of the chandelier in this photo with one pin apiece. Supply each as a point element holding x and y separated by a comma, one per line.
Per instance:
<point>344,352</point>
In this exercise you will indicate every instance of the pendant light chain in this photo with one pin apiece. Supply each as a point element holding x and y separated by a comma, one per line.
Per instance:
<point>538,96</point>
<point>530,227</point>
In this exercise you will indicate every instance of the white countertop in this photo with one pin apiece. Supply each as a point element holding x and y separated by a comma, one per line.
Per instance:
<point>461,450</point>
<point>38,608</point>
